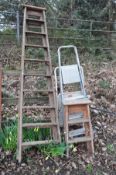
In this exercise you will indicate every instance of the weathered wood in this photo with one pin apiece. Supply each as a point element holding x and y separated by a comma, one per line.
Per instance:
<point>38,19</point>
<point>84,120</point>
<point>39,125</point>
<point>0,95</point>
<point>34,8</point>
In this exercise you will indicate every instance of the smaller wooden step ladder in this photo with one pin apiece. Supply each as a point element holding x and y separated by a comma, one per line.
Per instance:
<point>77,124</point>
<point>35,40</point>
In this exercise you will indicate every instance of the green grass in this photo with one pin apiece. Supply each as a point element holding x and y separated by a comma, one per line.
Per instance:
<point>8,139</point>
<point>104,84</point>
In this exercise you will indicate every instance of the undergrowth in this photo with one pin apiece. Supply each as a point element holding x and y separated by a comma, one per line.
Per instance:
<point>8,139</point>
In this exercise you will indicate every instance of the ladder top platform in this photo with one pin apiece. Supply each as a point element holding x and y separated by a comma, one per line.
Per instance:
<point>34,8</point>
<point>71,98</point>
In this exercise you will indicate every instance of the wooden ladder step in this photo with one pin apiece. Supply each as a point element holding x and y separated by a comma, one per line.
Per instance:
<point>76,132</point>
<point>36,74</point>
<point>30,7</point>
<point>37,60</point>
<point>32,143</point>
<point>80,139</point>
<point>29,90</point>
<point>38,107</point>
<point>35,33</point>
<point>39,125</point>
<point>77,121</point>
<point>36,46</point>
<point>35,20</point>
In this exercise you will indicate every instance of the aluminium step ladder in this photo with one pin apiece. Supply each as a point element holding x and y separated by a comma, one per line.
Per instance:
<point>35,31</point>
<point>74,114</point>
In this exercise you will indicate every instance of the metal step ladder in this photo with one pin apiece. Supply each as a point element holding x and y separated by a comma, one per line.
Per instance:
<point>74,114</point>
<point>35,37</point>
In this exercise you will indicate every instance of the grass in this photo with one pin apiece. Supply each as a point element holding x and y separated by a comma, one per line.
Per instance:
<point>104,84</point>
<point>8,139</point>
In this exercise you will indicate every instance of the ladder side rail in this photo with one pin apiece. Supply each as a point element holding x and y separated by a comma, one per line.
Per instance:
<point>79,69</point>
<point>21,89</point>
<point>50,66</point>
<point>78,65</point>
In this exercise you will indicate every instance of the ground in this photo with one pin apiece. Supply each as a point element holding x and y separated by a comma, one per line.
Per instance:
<point>101,85</point>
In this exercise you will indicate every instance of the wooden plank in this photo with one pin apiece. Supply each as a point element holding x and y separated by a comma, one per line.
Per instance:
<point>77,101</point>
<point>66,132</point>
<point>34,13</point>
<point>35,21</point>
<point>80,139</point>
<point>39,125</point>
<point>0,95</point>
<point>76,132</point>
<point>36,74</point>
<point>35,46</point>
<point>34,33</point>
<point>19,156</point>
<point>74,122</point>
<point>32,143</point>
<point>38,60</point>
<point>38,107</point>
<point>29,90</point>
<point>34,8</point>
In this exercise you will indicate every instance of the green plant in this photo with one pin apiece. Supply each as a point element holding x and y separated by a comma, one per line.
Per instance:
<point>53,150</point>
<point>8,137</point>
<point>89,168</point>
<point>110,148</point>
<point>104,84</point>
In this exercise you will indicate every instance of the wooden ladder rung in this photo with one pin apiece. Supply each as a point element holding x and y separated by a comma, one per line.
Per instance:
<point>35,33</point>
<point>29,90</point>
<point>35,20</point>
<point>80,139</point>
<point>36,46</point>
<point>36,74</point>
<point>37,60</point>
<point>38,107</point>
<point>77,121</point>
<point>34,8</point>
<point>39,125</point>
<point>32,143</point>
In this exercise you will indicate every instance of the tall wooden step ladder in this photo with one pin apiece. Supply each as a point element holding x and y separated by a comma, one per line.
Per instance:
<point>35,41</point>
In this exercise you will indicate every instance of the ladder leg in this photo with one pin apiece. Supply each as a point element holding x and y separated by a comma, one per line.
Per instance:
<point>66,129</point>
<point>19,150</point>
<point>90,145</point>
